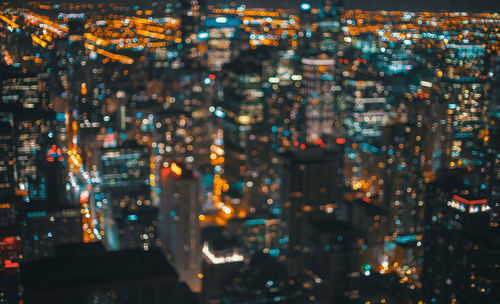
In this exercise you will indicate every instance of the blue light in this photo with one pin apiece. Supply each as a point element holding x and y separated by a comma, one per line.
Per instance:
<point>256,222</point>
<point>220,114</point>
<point>61,116</point>
<point>305,6</point>
<point>403,239</point>
<point>132,217</point>
<point>274,129</point>
<point>207,81</point>
<point>37,214</point>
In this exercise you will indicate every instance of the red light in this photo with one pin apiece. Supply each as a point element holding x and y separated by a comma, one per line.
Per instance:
<point>367,199</point>
<point>296,143</point>
<point>466,201</point>
<point>10,264</point>
<point>211,77</point>
<point>302,146</point>
<point>9,240</point>
<point>340,141</point>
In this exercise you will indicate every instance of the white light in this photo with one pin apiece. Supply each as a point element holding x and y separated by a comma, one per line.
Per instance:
<point>221,19</point>
<point>223,259</point>
<point>426,84</point>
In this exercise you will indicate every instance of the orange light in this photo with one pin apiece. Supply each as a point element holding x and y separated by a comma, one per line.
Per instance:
<point>176,169</point>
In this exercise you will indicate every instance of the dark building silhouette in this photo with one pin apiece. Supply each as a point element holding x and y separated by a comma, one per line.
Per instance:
<point>96,276</point>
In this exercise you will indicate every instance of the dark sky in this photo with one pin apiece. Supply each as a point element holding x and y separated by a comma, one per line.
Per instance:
<point>448,5</point>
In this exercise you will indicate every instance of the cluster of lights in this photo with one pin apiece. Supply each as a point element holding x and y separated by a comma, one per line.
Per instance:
<point>212,258</point>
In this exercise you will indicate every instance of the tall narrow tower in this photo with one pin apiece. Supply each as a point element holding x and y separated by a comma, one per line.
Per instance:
<point>180,230</point>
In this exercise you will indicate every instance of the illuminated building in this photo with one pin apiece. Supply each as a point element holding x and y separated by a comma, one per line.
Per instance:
<point>27,169</point>
<point>313,186</point>
<point>180,229</point>
<point>461,249</point>
<point>46,226</point>
<point>221,259</point>
<point>242,101</point>
<point>257,235</point>
<point>11,249</point>
<point>403,177</point>
<point>126,181</point>
<point>492,163</point>
<point>328,25</point>
<point>241,113</point>
<point>190,17</point>
<point>26,91</point>
<point>220,32</point>
<point>7,158</point>
<point>368,108</point>
<point>465,90</point>
<point>268,278</point>
<point>334,259</point>
<point>317,90</point>
<point>285,113</point>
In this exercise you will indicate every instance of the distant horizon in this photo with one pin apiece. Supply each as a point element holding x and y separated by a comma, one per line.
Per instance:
<point>476,6</point>
<point>389,5</point>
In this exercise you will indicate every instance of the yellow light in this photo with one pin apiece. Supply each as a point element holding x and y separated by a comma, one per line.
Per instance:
<point>244,119</point>
<point>201,217</point>
<point>200,275</point>
<point>84,89</point>
<point>176,169</point>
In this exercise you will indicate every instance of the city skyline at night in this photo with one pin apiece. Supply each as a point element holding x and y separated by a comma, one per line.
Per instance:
<point>200,151</point>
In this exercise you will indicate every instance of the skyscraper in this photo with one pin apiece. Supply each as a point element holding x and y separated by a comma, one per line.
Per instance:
<point>179,224</point>
<point>318,97</point>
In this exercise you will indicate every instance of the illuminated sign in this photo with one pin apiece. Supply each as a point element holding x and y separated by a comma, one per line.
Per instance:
<point>404,239</point>
<point>212,258</point>
<point>310,61</point>
<point>222,22</point>
<point>469,206</point>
